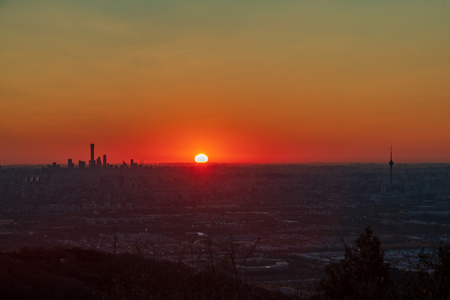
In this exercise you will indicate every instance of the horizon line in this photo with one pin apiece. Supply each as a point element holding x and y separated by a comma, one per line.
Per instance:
<point>235,163</point>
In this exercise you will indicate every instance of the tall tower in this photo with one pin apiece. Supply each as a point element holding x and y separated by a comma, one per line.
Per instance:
<point>92,151</point>
<point>391,163</point>
<point>92,161</point>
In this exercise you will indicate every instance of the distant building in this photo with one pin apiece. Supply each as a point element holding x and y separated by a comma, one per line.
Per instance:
<point>70,164</point>
<point>81,164</point>
<point>104,161</point>
<point>132,163</point>
<point>92,160</point>
<point>99,162</point>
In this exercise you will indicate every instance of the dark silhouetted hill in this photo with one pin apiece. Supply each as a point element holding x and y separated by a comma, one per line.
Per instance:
<point>59,273</point>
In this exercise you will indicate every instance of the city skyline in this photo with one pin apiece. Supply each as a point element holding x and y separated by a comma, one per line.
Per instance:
<point>102,162</point>
<point>253,82</point>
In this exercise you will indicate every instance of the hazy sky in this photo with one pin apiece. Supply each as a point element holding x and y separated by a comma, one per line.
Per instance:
<point>241,81</point>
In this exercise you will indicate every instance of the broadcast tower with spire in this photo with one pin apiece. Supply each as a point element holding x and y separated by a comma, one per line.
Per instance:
<point>391,163</point>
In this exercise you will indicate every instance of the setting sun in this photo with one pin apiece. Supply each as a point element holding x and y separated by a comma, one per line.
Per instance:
<point>201,158</point>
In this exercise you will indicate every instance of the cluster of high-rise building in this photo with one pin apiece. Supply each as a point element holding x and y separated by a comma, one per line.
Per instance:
<point>97,163</point>
<point>93,163</point>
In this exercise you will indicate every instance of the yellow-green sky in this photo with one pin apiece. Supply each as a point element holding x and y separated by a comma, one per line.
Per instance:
<point>242,81</point>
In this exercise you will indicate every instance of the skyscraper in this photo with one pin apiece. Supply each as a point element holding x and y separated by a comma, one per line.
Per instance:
<point>391,163</point>
<point>104,161</point>
<point>92,161</point>
<point>92,151</point>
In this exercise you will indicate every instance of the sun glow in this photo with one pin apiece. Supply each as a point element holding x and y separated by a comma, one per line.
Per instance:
<point>201,158</point>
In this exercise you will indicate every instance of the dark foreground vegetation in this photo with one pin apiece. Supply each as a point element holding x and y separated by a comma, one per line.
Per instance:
<point>59,273</point>
<point>86,274</point>
<point>363,274</point>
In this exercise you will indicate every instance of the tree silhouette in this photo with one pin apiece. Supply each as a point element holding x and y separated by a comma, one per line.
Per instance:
<point>430,277</point>
<point>362,274</point>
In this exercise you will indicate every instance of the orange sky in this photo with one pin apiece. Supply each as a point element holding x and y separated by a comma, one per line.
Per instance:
<point>241,81</point>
